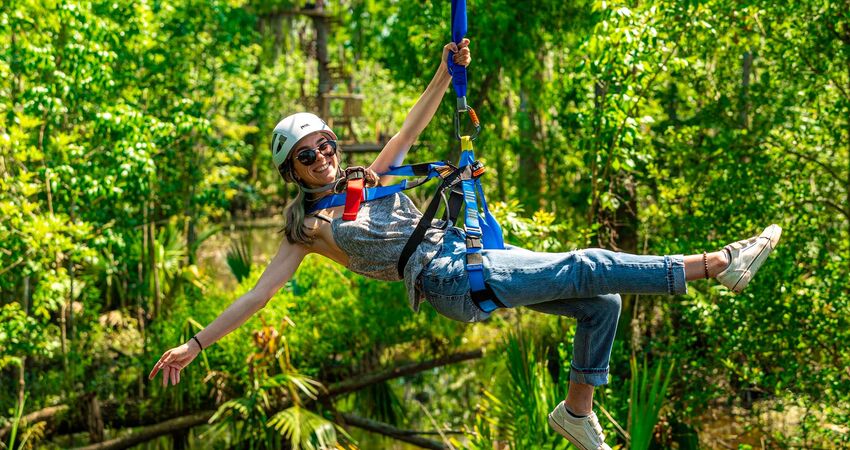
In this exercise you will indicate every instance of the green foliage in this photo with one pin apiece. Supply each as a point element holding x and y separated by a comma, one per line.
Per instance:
<point>521,395</point>
<point>655,127</point>
<point>380,402</point>
<point>273,377</point>
<point>648,392</point>
<point>301,427</point>
<point>19,411</point>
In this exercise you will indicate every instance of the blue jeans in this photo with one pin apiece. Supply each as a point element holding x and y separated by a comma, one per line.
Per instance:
<point>584,284</point>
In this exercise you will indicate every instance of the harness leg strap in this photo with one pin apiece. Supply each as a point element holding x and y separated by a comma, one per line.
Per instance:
<point>482,295</point>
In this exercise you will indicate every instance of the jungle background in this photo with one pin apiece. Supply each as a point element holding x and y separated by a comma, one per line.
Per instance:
<point>138,200</point>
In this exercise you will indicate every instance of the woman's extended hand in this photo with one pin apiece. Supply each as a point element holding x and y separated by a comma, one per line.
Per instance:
<point>461,56</point>
<point>172,362</point>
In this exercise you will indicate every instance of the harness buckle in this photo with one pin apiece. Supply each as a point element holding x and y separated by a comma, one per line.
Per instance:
<point>477,168</point>
<point>473,241</point>
<point>355,173</point>
<point>447,170</point>
<point>474,260</point>
<point>350,173</point>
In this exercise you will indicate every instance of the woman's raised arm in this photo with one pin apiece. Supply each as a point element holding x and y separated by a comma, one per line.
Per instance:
<point>422,112</point>
<point>277,273</point>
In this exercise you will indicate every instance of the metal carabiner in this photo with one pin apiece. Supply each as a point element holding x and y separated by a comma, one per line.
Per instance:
<point>464,107</point>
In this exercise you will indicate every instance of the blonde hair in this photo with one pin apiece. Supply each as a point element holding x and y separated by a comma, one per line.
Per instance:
<point>295,210</point>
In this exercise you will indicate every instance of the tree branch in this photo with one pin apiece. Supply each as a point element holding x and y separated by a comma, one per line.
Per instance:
<point>393,432</point>
<point>149,432</point>
<point>347,386</point>
<point>35,417</point>
<point>813,159</point>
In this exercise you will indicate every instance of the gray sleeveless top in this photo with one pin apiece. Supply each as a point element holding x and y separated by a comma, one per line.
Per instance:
<point>373,242</point>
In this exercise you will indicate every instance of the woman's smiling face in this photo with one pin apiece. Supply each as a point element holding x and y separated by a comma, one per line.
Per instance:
<point>324,169</point>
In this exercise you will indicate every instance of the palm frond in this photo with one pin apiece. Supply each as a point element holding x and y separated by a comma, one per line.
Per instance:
<point>306,430</point>
<point>239,259</point>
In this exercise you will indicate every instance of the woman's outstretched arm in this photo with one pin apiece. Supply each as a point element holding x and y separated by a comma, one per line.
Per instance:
<point>420,115</point>
<point>277,273</point>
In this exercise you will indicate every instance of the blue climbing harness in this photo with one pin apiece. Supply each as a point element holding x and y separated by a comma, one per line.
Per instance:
<point>463,182</point>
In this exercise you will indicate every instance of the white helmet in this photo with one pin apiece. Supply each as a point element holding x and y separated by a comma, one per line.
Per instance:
<point>290,130</point>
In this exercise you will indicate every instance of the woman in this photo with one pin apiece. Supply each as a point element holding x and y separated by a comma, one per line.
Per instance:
<point>584,284</point>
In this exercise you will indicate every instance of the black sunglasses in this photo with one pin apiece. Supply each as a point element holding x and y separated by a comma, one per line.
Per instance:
<point>308,156</point>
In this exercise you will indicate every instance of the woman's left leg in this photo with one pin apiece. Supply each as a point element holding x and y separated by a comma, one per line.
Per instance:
<point>597,319</point>
<point>521,278</point>
<point>596,326</point>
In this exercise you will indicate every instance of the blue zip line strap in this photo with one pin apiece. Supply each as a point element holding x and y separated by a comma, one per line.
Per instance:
<point>428,170</point>
<point>457,71</point>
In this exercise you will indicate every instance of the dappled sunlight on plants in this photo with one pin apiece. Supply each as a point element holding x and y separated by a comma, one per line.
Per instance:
<point>138,202</point>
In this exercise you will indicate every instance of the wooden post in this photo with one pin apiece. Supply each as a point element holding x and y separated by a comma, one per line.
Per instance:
<point>320,21</point>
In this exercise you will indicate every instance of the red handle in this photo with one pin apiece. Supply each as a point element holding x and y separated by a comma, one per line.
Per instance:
<point>353,197</point>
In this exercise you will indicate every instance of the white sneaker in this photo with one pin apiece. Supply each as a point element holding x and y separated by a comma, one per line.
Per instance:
<point>746,257</point>
<point>584,432</point>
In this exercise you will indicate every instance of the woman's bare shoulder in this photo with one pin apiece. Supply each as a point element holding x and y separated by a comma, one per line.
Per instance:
<point>318,228</point>
<point>312,225</point>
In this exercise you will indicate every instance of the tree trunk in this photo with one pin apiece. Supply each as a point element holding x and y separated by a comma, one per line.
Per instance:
<point>746,69</point>
<point>22,381</point>
<point>152,253</point>
<point>599,97</point>
<point>13,64</point>
<point>530,154</point>
<point>189,227</point>
<point>94,419</point>
<point>140,307</point>
<point>63,335</point>
<point>180,439</point>
<point>71,327</point>
<point>671,106</point>
<point>152,432</point>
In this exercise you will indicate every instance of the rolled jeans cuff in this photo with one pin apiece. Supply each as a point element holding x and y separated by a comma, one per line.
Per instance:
<point>593,377</point>
<point>676,274</point>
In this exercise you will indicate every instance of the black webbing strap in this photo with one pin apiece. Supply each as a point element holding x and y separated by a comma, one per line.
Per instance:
<point>455,202</point>
<point>486,294</point>
<point>425,222</point>
<point>421,169</point>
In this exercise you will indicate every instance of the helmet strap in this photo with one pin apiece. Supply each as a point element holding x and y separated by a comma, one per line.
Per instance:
<point>340,174</point>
